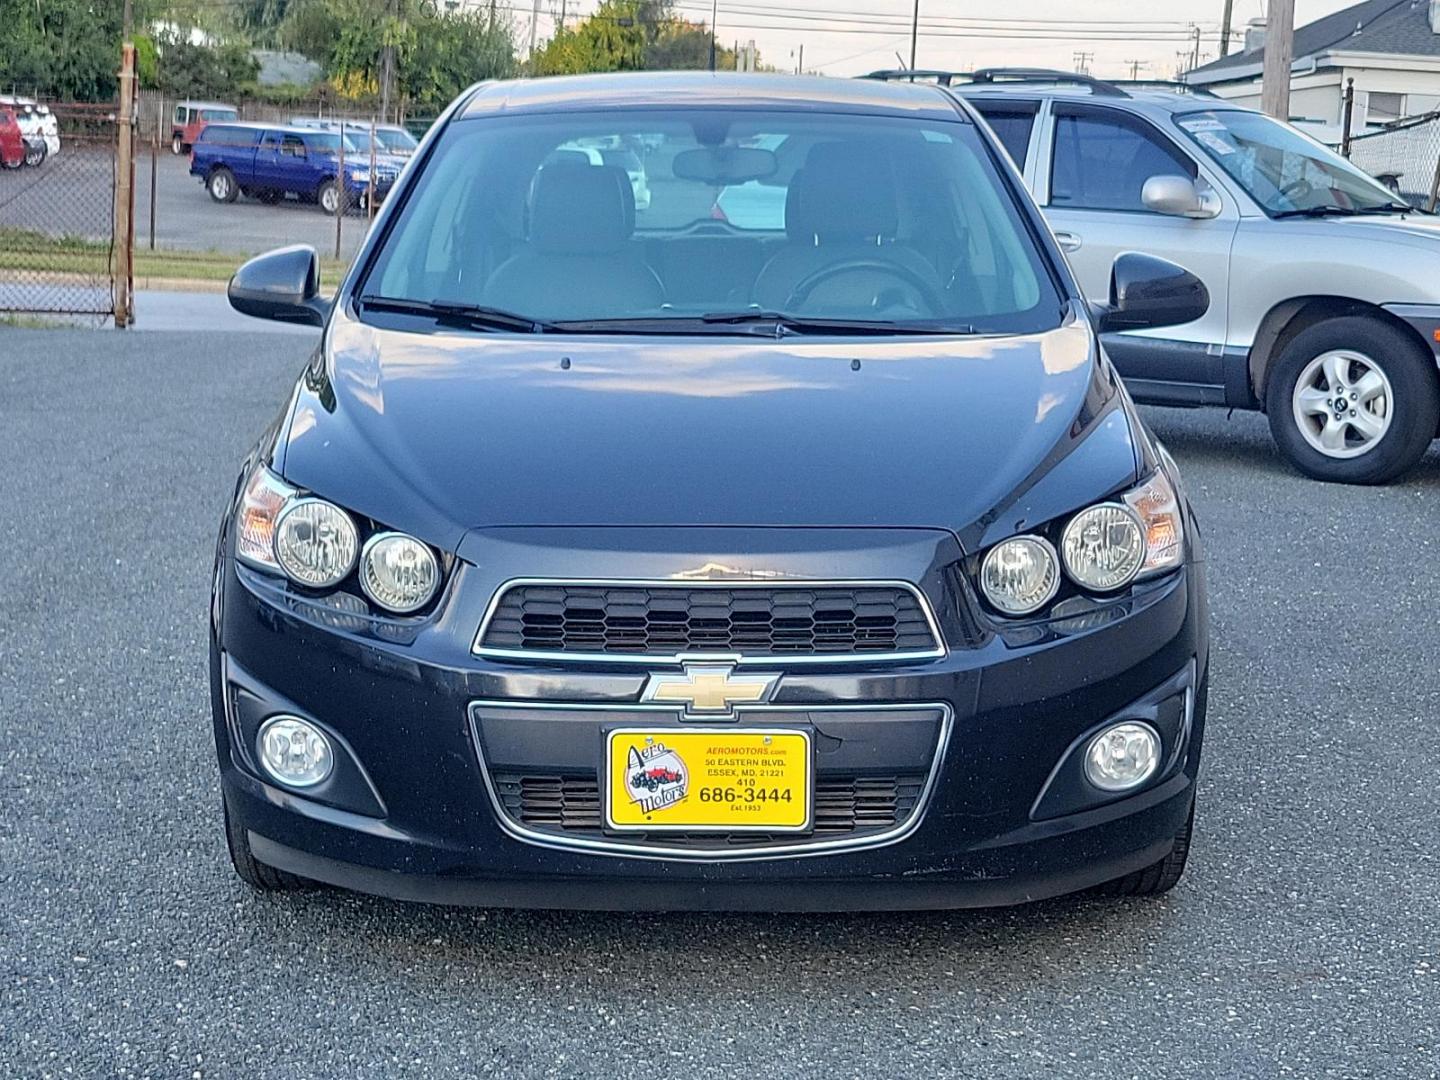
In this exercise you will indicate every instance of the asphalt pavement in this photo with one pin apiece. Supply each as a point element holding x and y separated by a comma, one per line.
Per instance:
<point>1302,942</point>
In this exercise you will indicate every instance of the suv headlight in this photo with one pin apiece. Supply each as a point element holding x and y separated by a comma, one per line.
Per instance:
<point>317,544</point>
<point>1103,548</point>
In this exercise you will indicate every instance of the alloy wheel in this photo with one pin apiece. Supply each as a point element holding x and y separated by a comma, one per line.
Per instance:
<point>330,199</point>
<point>220,186</point>
<point>1343,403</point>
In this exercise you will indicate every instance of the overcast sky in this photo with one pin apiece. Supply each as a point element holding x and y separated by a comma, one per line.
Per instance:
<point>848,37</point>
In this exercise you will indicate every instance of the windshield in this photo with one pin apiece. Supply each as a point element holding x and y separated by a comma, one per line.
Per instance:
<point>217,114</point>
<point>395,139</point>
<point>673,215</point>
<point>1280,168</point>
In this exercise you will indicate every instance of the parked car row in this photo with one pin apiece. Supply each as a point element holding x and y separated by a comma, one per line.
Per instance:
<point>34,128</point>
<point>270,162</point>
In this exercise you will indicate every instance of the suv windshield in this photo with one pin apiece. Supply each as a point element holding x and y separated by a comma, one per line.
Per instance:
<point>1283,170</point>
<point>708,220</point>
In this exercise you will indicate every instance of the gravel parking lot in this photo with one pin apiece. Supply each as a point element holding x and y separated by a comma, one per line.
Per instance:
<point>1302,942</point>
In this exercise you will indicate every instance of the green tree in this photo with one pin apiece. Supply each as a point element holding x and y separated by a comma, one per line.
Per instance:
<point>66,49</point>
<point>201,71</point>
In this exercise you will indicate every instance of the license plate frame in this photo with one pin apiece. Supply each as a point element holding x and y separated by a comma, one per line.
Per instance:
<point>701,771</point>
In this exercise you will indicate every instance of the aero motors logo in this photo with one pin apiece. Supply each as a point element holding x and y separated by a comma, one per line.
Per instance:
<point>655,776</point>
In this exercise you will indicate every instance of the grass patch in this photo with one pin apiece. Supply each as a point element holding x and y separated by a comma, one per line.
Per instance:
<point>25,249</point>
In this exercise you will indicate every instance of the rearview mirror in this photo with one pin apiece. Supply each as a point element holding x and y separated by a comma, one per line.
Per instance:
<point>283,285</point>
<point>722,166</point>
<point>1146,292</point>
<point>1179,196</point>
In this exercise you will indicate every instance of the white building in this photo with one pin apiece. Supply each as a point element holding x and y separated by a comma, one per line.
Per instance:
<point>1391,48</point>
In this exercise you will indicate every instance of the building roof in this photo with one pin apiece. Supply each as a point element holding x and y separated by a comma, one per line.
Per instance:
<point>683,89</point>
<point>1398,27</point>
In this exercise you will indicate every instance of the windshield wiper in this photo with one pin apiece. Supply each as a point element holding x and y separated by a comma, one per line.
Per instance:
<point>1390,208</point>
<point>476,316</point>
<point>1318,211</point>
<point>785,323</point>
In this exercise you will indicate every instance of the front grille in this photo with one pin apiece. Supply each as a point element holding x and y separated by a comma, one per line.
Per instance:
<point>663,620</point>
<point>844,807</point>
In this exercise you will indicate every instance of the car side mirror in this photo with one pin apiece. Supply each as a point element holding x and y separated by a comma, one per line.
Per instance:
<point>1146,292</point>
<point>1179,196</point>
<point>283,285</point>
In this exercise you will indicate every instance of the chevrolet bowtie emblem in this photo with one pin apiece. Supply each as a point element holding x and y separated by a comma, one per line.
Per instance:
<point>709,689</point>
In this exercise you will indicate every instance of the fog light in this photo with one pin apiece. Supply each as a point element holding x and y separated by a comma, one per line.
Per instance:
<point>1122,757</point>
<point>294,752</point>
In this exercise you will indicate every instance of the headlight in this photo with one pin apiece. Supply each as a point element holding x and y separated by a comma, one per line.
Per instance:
<point>316,543</point>
<point>1158,509</point>
<point>1020,575</point>
<point>398,572</point>
<point>1103,547</point>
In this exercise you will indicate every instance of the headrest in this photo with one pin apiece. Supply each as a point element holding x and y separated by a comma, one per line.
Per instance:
<point>578,210</point>
<point>843,192</point>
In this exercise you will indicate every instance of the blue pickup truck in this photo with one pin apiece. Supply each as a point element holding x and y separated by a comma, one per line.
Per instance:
<point>267,162</point>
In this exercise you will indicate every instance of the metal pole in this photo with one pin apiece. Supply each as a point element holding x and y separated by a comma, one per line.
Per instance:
<point>714,31</point>
<point>1279,52</point>
<point>124,224</point>
<point>340,188</point>
<point>154,166</point>
<point>1225,28</point>
<point>800,63</point>
<point>370,198</point>
<point>914,34</point>
<point>1347,118</point>
<point>1434,188</point>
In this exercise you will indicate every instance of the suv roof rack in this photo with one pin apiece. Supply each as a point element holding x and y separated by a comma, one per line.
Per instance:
<point>1167,84</point>
<point>994,75</point>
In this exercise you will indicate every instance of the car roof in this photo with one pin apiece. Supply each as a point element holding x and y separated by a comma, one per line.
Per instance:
<point>682,89</point>
<point>1136,99</point>
<point>260,125</point>
<point>205,104</point>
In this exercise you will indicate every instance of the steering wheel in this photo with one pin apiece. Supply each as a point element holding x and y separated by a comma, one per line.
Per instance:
<point>1297,189</point>
<point>929,295</point>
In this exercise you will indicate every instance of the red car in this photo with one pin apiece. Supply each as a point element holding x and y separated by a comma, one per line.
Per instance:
<point>651,779</point>
<point>12,143</point>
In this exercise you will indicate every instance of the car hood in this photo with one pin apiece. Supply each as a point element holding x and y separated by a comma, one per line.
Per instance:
<point>1419,229</point>
<point>440,433</point>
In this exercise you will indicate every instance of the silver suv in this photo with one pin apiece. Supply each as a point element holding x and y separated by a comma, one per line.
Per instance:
<point>1324,289</point>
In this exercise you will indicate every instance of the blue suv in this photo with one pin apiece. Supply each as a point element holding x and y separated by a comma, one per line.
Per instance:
<point>267,163</point>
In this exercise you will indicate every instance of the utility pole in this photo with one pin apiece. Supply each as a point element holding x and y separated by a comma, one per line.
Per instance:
<point>714,30</point>
<point>1225,28</point>
<point>800,62</point>
<point>914,34</point>
<point>1195,58</point>
<point>1082,62</point>
<point>1279,53</point>
<point>1134,69</point>
<point>534,25</point>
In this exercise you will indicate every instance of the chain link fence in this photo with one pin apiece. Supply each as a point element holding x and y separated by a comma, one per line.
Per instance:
<point>57,213</point>
<point>1403,156</point>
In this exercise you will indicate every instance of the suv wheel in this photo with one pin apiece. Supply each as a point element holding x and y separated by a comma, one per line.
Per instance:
<point>35,154</point>
<point>177,145</point>
<point>1353,400</point>
<point>222,185</point>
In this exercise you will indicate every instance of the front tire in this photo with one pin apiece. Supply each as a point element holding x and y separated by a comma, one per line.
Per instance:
<point>222,187</point>
<point>177,145</point>
<point>35,155</point>
<point>1159,877</point>
<point>250,870</point>
<point>1353,400</point>
<point>329,197</point>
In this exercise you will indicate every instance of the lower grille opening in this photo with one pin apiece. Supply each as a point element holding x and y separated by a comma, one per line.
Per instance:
<point>844,807</point>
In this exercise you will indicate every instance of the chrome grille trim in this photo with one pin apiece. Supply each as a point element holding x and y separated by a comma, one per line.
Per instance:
<point>633,850</point>
<point>556,656</point>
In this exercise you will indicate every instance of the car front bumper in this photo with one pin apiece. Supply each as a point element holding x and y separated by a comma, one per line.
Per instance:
<point>412,810</point>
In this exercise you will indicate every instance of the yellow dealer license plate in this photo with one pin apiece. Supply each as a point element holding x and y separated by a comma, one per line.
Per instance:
<point>708,779</point>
